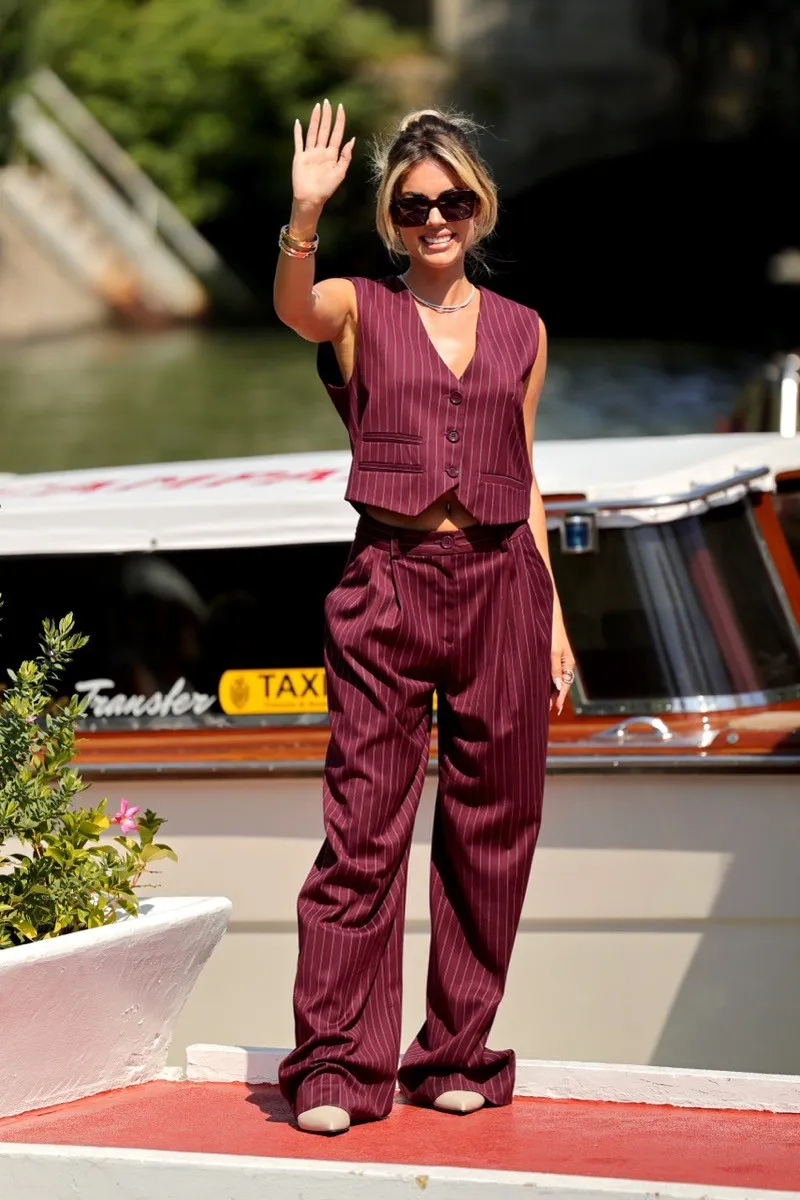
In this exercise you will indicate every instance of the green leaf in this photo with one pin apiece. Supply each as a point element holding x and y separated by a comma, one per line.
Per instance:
<point>24,927</point>
<point>63,878</point>
<point>151,853</point>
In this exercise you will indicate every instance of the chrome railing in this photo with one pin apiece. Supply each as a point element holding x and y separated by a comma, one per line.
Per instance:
<point>701,492</point>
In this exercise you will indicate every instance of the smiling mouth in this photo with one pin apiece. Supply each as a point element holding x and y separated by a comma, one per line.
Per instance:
<point>439,239</point>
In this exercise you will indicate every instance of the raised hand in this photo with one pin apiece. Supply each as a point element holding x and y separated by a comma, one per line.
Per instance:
<point>321,164</point>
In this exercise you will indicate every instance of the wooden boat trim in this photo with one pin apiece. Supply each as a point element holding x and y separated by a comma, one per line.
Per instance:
<point>300,753</point>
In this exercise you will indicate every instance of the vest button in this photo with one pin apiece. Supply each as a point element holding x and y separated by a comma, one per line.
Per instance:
<point>455,397</point>
<point>452,472</point>
<point>447,541</point>
<point>453,435</point>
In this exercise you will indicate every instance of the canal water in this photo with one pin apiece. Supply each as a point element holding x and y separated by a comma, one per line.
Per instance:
<point>112,397</point>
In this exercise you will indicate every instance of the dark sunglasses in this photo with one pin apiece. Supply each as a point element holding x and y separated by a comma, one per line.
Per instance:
<point>457,204</point>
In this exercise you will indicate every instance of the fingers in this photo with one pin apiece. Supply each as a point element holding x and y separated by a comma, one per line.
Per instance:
<point>325,125</point>
<point>313,127</point>
<point>338,130</point>
<point>319,134</point>
<point>347,153</point>
<point>562,665</point>
<point>298,136</point>
<point>559,693</point>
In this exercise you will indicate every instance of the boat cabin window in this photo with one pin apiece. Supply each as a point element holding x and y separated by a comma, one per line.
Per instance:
<point>681,615</point>
<point>165,628</point>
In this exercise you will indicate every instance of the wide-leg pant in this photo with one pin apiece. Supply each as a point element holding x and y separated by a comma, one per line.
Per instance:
<point>469,614</point>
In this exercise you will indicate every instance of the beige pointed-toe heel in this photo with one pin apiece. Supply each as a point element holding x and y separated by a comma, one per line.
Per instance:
<point>326,1118</point>
<point>459,1102</point>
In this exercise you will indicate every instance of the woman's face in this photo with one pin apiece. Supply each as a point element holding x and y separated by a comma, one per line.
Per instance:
<point>437,243</point>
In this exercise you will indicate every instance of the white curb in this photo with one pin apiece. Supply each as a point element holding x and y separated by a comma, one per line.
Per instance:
<point>682,1087</point>
<point>207,1063</point>
<point>617,1082</point>
<point>64,1172</point>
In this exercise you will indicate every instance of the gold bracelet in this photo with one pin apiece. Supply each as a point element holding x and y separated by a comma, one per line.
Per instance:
<point>287,247</point>
<point>298,243</point>
<point>295,253</point>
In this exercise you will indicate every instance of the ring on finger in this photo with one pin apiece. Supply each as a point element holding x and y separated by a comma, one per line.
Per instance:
<point>568,677</point>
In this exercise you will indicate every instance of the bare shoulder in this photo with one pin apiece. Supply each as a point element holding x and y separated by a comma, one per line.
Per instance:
<point>336,299</point>
<point>332,312</point>
<point>341,291</point>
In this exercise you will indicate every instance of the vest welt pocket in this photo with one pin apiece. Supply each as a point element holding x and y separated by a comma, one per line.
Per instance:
<point>409,439</point>
<point>398,467</point>
<point>502,478</point>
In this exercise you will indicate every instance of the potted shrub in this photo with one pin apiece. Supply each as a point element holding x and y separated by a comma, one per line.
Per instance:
<point>80,951</point>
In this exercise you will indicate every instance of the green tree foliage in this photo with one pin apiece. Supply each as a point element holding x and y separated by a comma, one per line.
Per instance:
<point>17,19</point>
<point>55,876</point>
<point>203,93</point>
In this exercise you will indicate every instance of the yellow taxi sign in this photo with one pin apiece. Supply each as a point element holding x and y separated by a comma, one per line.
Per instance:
<point>275,690</point>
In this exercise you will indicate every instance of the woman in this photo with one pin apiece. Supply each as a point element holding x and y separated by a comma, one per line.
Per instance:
<point>448,587</point>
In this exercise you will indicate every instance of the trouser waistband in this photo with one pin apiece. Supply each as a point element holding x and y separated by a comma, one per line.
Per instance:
<point>395,540</point>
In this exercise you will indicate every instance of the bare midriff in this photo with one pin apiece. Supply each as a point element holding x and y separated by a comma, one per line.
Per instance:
<point>445,513</point>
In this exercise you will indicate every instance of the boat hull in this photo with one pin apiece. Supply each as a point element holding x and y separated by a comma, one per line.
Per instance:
<point>661,925</point>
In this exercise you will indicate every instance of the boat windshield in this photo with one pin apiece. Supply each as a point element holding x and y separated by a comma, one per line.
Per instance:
<point>685,615</point>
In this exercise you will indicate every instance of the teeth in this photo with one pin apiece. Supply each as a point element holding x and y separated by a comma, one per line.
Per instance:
<point>437,241</point>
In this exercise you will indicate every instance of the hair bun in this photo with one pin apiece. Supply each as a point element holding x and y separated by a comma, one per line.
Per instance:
<point>415,117</point>
<point>433,118</point>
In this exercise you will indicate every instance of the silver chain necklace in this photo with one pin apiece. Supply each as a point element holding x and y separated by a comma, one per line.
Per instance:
<point>442,308</point>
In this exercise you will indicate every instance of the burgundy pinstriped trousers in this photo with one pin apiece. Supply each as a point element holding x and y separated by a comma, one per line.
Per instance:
<point>469,614</point>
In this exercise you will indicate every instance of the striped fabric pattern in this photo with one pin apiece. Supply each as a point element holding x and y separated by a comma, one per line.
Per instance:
<point>416,429</point>
<point>469,614</point>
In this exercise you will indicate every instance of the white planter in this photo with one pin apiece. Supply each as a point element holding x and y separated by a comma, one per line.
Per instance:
<point>95,1010</point>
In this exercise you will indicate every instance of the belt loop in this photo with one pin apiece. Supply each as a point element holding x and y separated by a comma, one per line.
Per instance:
<point>394,551</point>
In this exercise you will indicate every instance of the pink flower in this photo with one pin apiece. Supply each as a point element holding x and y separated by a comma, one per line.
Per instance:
<point>124,818</point>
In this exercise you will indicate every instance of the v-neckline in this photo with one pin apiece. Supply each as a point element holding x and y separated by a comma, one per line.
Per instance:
<point>481,298</point>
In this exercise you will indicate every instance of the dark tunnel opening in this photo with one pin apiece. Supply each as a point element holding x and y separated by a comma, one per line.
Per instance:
<point>671,242</point>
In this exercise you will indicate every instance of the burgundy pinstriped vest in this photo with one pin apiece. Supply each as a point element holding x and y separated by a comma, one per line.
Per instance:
<point>416,430</point>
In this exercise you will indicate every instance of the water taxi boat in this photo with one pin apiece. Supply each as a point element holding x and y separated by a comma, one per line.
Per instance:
<point>662,924</point>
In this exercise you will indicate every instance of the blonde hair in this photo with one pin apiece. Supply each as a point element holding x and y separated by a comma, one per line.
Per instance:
<point>451,139</point>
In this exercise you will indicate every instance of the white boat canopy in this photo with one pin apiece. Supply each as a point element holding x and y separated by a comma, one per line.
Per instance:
<point>297,498</point>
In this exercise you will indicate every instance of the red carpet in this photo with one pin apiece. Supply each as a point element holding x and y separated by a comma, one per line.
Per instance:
<point>569,1137</point>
